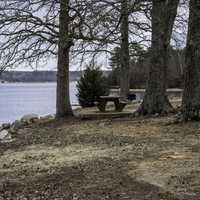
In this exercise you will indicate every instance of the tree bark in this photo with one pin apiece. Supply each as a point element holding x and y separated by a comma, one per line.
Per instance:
<point>63,106</point>
<point>191,95</point>
<point>124,51</point>
<point>163,16</point>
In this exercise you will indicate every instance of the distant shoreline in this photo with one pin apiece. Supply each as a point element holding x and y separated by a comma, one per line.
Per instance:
<point>38,76</point>
<point>35,76</point>
<point>6,82</point>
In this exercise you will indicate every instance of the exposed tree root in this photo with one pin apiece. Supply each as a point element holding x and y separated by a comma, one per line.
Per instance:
<point>191,113</point>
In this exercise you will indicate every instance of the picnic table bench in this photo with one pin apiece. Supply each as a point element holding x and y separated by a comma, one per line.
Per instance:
<point>119,104</point>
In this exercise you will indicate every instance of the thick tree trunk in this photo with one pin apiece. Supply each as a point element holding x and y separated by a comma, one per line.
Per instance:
<point>63,106</point>
<point>191,96</point>
<point>163,16</point>
<point>124,51</point>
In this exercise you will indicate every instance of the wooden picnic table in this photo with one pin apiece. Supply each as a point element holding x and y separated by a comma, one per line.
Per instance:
<point>119,104</point>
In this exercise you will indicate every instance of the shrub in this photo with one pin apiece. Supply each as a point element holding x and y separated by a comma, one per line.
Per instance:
<point>91,85</point>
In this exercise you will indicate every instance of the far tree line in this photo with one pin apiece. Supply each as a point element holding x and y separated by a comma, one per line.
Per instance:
<point>139,64</point>
<point>32,31</point>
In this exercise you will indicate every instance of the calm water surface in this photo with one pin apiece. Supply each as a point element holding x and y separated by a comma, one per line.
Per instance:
<point>18,99</point>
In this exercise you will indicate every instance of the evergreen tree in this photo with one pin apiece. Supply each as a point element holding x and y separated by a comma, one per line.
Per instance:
<point>90,86</point>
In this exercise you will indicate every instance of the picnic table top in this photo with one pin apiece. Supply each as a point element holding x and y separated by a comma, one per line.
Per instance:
<point>113,98</point>
<point>110,97</point>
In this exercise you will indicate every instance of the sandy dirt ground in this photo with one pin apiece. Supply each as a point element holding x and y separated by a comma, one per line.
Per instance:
<point>118,159</point>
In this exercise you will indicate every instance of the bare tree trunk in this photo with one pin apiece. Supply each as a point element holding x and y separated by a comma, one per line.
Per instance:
<point>124,51</point>
<point>63,107</point>
<point>163,16</point>
<point>191,95</point>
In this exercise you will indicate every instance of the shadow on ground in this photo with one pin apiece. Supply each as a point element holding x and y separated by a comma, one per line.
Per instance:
<point>95,160</point>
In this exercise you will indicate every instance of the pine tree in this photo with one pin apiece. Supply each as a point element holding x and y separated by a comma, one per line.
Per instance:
<point>90,86</point>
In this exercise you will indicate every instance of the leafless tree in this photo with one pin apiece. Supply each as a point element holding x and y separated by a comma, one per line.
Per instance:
<point>191,97</point>
<point>163,16</point>
<point>63,106</point>
<point>124,50</point>
<point>32,31</point>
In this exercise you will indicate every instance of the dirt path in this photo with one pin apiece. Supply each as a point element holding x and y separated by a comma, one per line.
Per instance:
<point>139,159</point>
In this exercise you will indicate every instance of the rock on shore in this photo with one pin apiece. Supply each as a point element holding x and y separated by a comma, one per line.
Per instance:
<point>8,130</point>
<point>5,137</point>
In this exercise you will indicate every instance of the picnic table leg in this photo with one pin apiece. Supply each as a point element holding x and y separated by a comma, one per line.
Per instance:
<point>116,102</point>
<point>119,106</point>
<point>102,105</point>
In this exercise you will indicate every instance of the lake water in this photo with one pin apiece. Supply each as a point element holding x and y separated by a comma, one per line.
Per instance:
<point>18,99</point>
